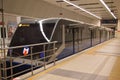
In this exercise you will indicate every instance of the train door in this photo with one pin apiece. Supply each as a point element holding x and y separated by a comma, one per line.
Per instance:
<point>104,35</point>
<point>77,38</point>
<point>80,38</point>
<point>91,36</point>
<point>102,39</point>
<point>74,38</point>
<point>97,36</point>
<point>94,36</point>
<point>86,38</point>
<point>94,42</point>
<point>109,35</point>
<point>100,35</point>
<point>69,40</point>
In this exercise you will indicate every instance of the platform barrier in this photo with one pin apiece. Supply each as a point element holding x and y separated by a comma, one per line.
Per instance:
<point>14,66</point>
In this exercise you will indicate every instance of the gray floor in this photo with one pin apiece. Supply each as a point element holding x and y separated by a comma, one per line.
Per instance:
<point>96,65</point>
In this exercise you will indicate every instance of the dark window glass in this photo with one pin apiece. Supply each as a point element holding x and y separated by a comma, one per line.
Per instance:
<point>25,35</point>
<point>48,29</point>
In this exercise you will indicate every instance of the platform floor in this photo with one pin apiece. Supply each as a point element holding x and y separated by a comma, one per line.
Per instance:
<point>101,62</point>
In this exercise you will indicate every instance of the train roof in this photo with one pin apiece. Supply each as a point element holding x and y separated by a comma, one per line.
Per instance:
<point>50,20</point>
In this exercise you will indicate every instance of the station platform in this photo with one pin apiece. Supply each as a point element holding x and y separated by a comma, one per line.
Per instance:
<point>101,62</point>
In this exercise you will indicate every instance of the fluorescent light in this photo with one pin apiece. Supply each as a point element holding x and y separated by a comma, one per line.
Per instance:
<point>81,9</point>
<point>107,8</point>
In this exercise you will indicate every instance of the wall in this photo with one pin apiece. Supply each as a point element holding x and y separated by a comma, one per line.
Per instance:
<point>8,18</point>
<point>10,24</point>
<point>96,22</point>
<point>117,34</point>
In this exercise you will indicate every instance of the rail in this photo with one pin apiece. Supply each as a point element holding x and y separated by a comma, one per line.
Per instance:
<point>25,63</point>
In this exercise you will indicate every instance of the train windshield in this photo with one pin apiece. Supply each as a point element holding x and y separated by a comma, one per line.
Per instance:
<point>48,27</point>
<point>27,34</point>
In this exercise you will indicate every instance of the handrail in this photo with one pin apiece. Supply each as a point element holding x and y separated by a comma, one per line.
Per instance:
<point>35,63</point>
<point>30,45</point>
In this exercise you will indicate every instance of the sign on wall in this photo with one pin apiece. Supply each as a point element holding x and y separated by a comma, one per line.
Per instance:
<point>11,28</point>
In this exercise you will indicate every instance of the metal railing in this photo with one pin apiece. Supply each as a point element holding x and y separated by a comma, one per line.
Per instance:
<point>25,63</point>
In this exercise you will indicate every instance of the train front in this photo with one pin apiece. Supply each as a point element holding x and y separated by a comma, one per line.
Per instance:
<point>29,33</point>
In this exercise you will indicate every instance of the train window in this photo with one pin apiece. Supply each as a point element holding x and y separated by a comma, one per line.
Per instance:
<point>27,35</point>
<point>48,29</point>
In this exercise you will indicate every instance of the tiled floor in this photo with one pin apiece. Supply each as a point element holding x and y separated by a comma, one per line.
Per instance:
<point>101,62</point>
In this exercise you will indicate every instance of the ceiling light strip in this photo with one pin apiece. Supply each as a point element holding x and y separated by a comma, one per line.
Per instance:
<point>82,9</point>
<point>107,8</point>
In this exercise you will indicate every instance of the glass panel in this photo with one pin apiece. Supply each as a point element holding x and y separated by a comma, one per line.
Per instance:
<point>48,26</point>
<point>27,34</point>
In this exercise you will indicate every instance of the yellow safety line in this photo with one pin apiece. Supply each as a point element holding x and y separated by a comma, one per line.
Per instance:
<point>90,51</point>
<point>115,73</point>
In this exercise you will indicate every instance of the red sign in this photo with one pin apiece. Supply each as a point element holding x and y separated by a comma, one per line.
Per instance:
<point>25,51</point>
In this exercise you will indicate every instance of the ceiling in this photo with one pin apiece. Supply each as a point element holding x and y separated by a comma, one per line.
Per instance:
<point>93,6</point>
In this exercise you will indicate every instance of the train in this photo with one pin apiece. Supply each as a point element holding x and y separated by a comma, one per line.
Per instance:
<point>72,36</point>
